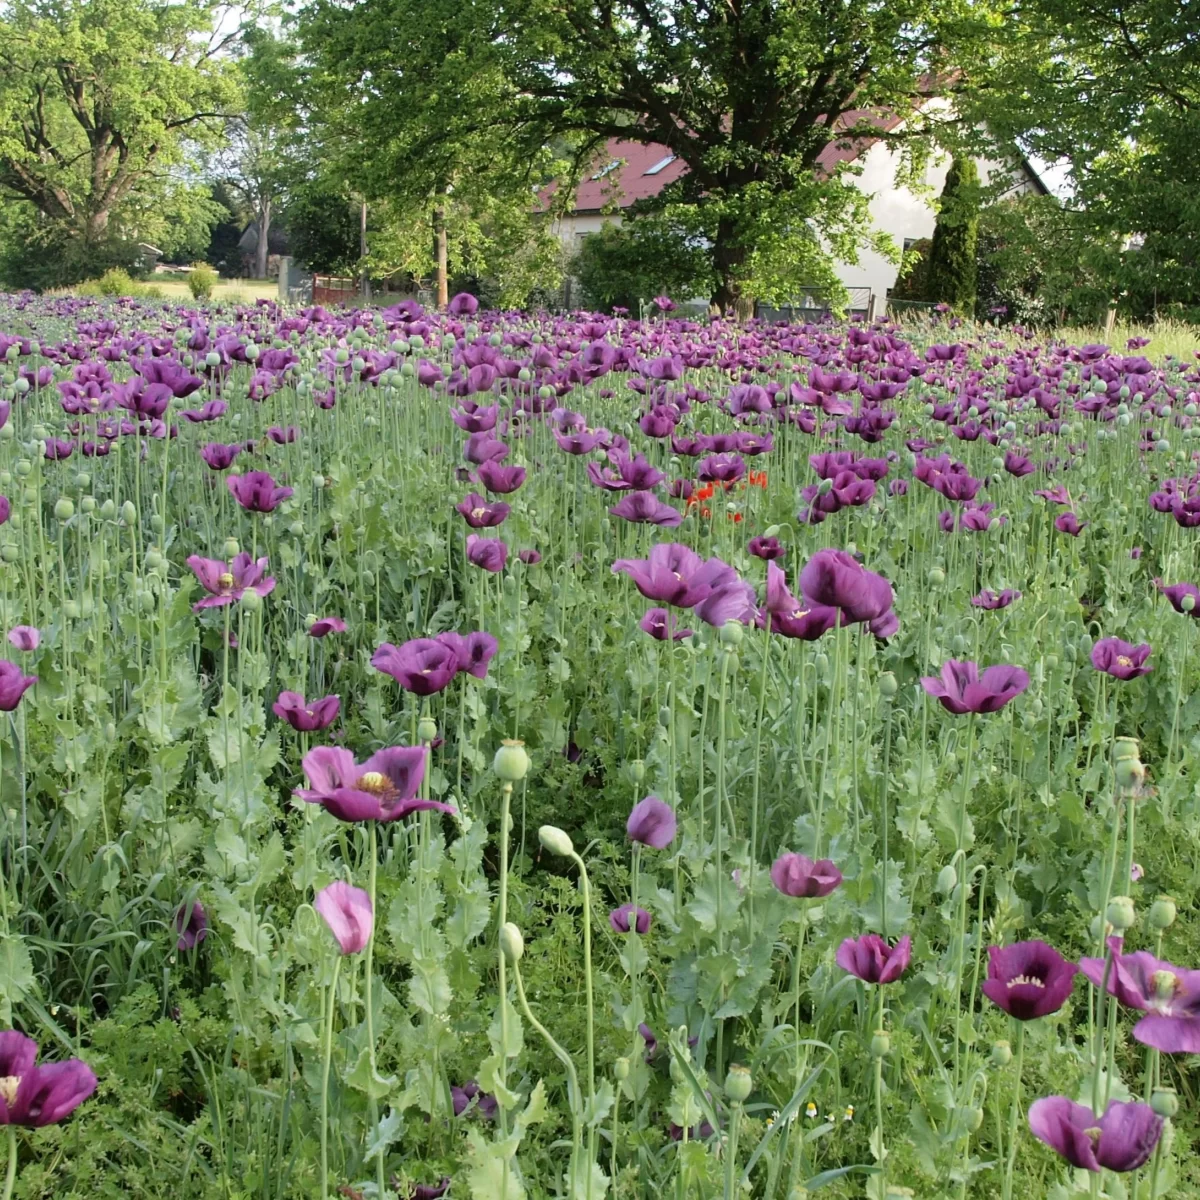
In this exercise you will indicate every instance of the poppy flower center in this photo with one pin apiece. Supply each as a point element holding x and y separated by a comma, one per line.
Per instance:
<point>225,580</point>
<point>1093,1135</point>
<point>478,513</point>
<point>1166,985</point>
<point>376,784</point>
<point>8,1088</point>
<point>1026,981</point>
<point>1124,661</point>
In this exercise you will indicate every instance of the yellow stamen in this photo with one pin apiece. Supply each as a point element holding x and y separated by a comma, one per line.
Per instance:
<point>1026,981</point>
<point>374,782</point>
<point>225,580</point>
<point>8,1088</point>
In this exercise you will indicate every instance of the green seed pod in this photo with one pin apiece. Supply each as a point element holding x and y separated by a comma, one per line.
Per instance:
<point>9,553</point>
<point>1121,913</point>
<point>251,601</point>
<point>731,634</point>
<point>1165,1102</point>
<point>6,476</point>
<point>511,943</point>
<point>71,610</point>
<point>730,662</point>
<point>341,356</point>
<point>23,467</point>
<point>88,504</point>
<point>821,663</point>
<point>556,840</point>
<point>231,548</point>
<point>947,880</point>
<point>637,770</point>
<point>511,762</point>
<point>252,352</point>
<point>83,481</point>
<point>664,716</point>
<point>64,509</point>
<point>154,560</point>
<point>40,433</point>
<point>738,1083</point>
<point>426,729</point>
<point>1001,1054</point>
<point>881,1044</point>
<point>1162,913</point>
<point>296,529</point>
<point>145,601</point>
<point>621,1070</point>
<point>156,523</point>
<point>973,1118</point>
<point>902,744</point>
<point>936,576</point>
<point>108,510</point>
<point>888,686</point>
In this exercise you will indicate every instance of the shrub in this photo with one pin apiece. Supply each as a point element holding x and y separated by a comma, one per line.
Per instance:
<point>952,267</point>
<point>201,280</point>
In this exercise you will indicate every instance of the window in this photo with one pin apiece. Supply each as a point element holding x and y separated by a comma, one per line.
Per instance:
<point>660,165</point>
<point>909,243</point>
<point>612,166</point>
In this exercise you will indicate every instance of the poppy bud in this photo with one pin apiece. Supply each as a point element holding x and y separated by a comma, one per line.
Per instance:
<point>108,510</point>
<point>556,840</point>
<point>637,770</point>
<point>426,729</point>
<point>959,643</point>
<point>738,1083</point>
<point>881,1044</point>
<point>23,465</point>
<point>128,512</point>
<point>40,433</point>
<point>251,601</point>
<point>1001,1054</point>
<point>972,1117</point>
<point>296,529</point>
<point>664,716</point>
<point>888,686</point>
<point>902,744</point>
<point>71,607</point>
<point>731,634</point>
<point>1120,913</point>
<point>64,509</point>
<point>947,880</point>
<point>10,553</point>
<point>88,504</point>
<point>936,576</point>
<point>1165,1102</point>
<point>511,942</point>
<point>621,1070</point>
<point>771,531</point>
<point>83,480</point>
<point>1162,913</point>
<point>154,560</point>
<point>511,762</point>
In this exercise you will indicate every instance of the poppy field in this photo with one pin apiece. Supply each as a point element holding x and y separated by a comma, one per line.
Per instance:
<point>508,756</point>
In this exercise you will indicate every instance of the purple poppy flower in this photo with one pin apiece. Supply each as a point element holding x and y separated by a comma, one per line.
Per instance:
<point>530,558</point>
<point>325,626</point>
<point>498,480</point>
<point>485,1102</point>
<point>25,637</point>
<point>797,875</point>
<point>768,548</point>
<point>1018,464</point>
<point>463,305</point>
<point>645,508</point>
<point>211,411</point>
<point>1169,995</point>
<point>734,601</point>
<point>1068,522</point>
<point>283,436</point>
<point>651,823</point>
<point>961,688</point>
<point>218,456</point>
<point>348,913</point>
<point>664,304</point>
<point>632,474</point>
<point>873,960</point>
<point>303,716</point>
<point>5,509</point>
<point>721,468</point>
<point>837,580</point>
<point>660,625</point>
<point>1121,1140</point>
<point>1055,495</point>
<point>34,1095</point>
<point>993,600</point>
<point>482,447</point>
<point>13,685</point>
<point>384,788</point>
<point>806,622</point>
<point>619,919</point>
<point>650,1040</point>
<point>1121,660</point>
<point>1028,979</point>
<point>488,553</point>
<point>57,449</point>
<point>422,666</point>
<point>191,926</point>
<point>1179,594</point>
<point>659,422</point>
<point>583,442</point>
<point>228,582</point>
<point>472,652</point>
<point>256,491</point>
<point>675,575</point>
<point>482,514</point>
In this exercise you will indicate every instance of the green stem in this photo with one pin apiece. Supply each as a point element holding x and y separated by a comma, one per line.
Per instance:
<point>591,1010</point>
<point>10,1176</point>
<point>337,966</point>
<point>1014,1113</point>
<point>735,1120</point>
<point>372,1103</point>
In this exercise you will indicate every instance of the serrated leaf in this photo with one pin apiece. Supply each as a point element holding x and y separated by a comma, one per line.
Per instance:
<point>492,1174</point>
<point>597,1109</point>
<point>384,1135</point>
<point>371,1083</point>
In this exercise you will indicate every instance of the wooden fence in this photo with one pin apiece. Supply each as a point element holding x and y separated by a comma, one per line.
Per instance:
<point>333,289</point>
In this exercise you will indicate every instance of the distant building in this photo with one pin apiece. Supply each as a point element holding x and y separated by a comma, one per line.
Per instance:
<point>627,172</point>
<point>277,245</point>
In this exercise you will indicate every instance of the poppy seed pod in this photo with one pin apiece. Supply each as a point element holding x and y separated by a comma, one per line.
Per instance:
<point>1001,1053</point>
<point>731,633</point>
<point>64,509</point>
<point>881,1044</point>
<point>426,729</point>
<point>1121,913</point>
<point>511,762</point>
<point>1164,1102</point>
<point>738,1083</point>
<point>1162,913</point>
<point>621,1070</point>
<point>128,512</point>
<point>888,686</point>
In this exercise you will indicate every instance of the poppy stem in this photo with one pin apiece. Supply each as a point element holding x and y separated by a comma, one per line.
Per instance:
<point>10,1176</point>
<point>332,1002</point>
<point>1014,1113</point>
<point>372,1103</point>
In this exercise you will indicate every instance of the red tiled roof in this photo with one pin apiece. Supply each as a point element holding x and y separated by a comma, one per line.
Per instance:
<point>622,185</point>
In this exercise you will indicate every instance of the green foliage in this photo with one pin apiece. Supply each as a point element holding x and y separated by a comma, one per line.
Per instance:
<point>629,264</point>
<point>201,280</point>
<point>913,281</point>
<point>951,271</point>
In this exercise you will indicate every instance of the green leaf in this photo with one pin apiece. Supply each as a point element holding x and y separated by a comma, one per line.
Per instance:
<point>16,975</point>
<point>363,1079</point>
<point>384,1135</point>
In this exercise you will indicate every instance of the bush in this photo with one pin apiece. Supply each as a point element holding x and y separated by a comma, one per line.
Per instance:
<point>952,267</point>
<point>201,280</point>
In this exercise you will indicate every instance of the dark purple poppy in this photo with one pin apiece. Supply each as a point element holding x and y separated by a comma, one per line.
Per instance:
<point>1068,522</point>
<point>488,553</point>
<point>219,457</point>
<point>499,480</point>
<point>1028,979</point>
<point>1120,659</point>
<point>256,491</point>
<point>463,305</point>
<point>651,823</point>
<point>619,919</point>
<point>1018,464</point>
<point>721,468</point>
<point>304,716</point>
<point>961,688</point>
<point>36,1095</point>
<point>211,411</point>
<point>1169,995</point>
<point>57,449</point>
<point>229,582</point>
<point>1121,1140</point>
<point>632,474</point>
<point>873,960</point>
<point>324,626</point>
<point>191,926</point>
<point>768,548</point>
<point>425,1191</point>
<point>384,788</point>
<point>733,601</point>
<point>13,685</point>
<point>472,652</point>
<point>994,600</point>
<point>835,579</point>
<point>485,1102</point>
<point>422,666</point>
<point>1184,597</point>
<point>482,514</point>
<point>645,508</point>
<point>659,624</point>
<point>530,557</point>
<point>675,575</point>
<point>482,447</point>
<point>797,875</point>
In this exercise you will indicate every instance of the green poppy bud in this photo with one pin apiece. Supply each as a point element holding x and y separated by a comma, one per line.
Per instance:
<point>637,770</point>
<point>730,662</point>
<point>881,1044</point>
<point>83,481</point>
<point>154,560</point>
<point>1121,913</point>
<point>959,643</point>
<point>902,744</point>
<point>936,576</point>
<point>738,1084</point>
<point>888,686</point>
<point>251,601</point>
<point>1001,1054</point>
<point>664,716</point>
<point>511,762</point>
<point>947,880</point>
<point>1165,1102</point>
<point>296,529</point>
<point>972,1117</point>
<point>145,601</point>
<point>88,504</point>
<point>23,466</point>
<point>621,1070</point>
<point>771,531</point>
<point>156,523</point>
<point>556,840</point>
<point>1162,913</point>
<point>64,509</point>
<point>731,633</point>
<point>426,729</point>
<point>71,608</point>
<point>341,356</point>
<point>10,553</point>
<point>40,433</point>
<point>108,510</point>
<point>128,513</point>
<point>512,944</point>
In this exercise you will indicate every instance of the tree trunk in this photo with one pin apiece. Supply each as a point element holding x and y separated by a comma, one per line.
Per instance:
<point>263,249</point>
<point>728,260</point>
<point>96,225</point>
<point>441,252</point>
<point>365,279</point>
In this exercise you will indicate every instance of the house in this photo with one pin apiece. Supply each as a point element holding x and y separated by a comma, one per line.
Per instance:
<point>631,171</point>
<point>277,245</point>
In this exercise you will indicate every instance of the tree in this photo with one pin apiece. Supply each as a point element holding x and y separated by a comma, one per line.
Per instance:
<point>98,101</point>
<point>749,93</point>
<point>631,263</point>
<point>951,271</point>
